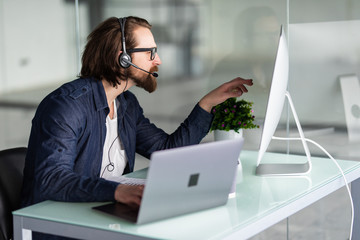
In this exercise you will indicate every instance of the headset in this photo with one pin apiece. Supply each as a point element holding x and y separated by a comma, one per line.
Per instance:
<point>125,58</point>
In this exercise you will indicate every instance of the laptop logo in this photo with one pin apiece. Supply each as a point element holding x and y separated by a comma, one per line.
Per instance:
<point>193,180</point>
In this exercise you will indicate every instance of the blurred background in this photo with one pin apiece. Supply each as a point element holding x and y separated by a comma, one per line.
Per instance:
<point>202,43</point>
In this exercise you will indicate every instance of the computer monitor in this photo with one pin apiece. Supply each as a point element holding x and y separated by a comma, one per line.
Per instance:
<point>276,100</point>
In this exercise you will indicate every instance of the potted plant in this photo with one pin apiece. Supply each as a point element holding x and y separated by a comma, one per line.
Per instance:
<point>231,117</point>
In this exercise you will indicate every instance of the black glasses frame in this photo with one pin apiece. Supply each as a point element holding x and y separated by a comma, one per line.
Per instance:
<point>153,51</point>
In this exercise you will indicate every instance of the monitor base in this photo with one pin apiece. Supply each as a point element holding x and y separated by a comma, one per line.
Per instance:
<point>268,169</point>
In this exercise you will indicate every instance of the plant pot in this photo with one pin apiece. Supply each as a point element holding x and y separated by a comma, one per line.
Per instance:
<point>220,135</point>
<point>227,135</point>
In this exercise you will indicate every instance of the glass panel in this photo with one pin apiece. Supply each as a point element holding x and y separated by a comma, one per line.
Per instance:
<point>243,40</point>
<point>203,44</point>
<point>38,53</point>
<point>324,43</point>
<point>38,45</point>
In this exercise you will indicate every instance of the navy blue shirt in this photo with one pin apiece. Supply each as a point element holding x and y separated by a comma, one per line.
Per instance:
<point>65,147</point>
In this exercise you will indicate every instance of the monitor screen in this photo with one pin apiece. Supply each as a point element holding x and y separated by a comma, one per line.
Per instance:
<point>277,95</point>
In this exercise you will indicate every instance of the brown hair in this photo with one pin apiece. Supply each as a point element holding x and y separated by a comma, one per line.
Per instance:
<point>100,57</point>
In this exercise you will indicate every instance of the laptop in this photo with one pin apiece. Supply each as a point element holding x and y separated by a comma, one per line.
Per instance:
<point>183,180</point>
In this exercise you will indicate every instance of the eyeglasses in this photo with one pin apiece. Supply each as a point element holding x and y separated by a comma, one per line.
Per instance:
<point>153,51</point>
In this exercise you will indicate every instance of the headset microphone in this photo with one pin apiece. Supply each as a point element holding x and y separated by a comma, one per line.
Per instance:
<point>154,74</point>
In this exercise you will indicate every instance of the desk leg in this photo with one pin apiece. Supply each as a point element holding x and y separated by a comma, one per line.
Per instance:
<point>17,224</point>
<point>355,192</point>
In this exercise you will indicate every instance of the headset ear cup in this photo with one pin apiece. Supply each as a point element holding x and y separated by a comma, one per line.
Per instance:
<point>125,60</point>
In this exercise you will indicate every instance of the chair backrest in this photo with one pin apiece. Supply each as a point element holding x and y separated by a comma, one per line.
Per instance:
<point>12,163</point>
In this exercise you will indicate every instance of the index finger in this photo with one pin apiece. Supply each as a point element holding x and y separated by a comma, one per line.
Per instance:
<point>243,81</point>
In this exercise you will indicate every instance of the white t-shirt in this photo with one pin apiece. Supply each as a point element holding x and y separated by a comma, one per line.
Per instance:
<point>114,159</point>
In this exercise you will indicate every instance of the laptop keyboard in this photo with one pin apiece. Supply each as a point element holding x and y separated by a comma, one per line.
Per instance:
<point>131,181</point>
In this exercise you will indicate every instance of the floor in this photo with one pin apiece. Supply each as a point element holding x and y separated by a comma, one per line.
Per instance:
<point>326,219</point>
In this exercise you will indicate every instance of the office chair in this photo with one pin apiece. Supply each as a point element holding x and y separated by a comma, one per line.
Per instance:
<point>12,163</point>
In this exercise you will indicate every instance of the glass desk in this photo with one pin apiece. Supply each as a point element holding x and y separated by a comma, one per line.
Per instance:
<point>260,202</point>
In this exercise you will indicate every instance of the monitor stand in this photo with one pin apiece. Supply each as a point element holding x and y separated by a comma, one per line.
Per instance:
<point>275,169</point>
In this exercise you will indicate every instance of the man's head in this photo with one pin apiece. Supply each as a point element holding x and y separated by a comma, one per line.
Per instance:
<point>101,55</point>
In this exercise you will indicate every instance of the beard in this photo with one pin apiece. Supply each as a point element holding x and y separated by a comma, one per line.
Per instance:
<point>148,83</point>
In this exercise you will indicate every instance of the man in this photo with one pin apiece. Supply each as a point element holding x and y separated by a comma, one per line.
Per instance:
<point>86,132</point>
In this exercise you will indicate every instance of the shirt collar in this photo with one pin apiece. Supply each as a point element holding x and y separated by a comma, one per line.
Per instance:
<point>99,94</point>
